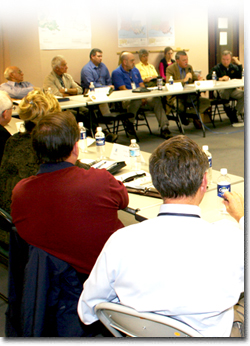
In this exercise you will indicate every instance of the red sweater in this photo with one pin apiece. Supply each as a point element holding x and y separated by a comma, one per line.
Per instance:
<point>70,213</point>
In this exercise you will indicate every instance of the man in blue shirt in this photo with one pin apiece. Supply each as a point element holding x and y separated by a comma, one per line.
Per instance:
<point>95,71</point>
<point>127,76</point>
<point>15,86</point>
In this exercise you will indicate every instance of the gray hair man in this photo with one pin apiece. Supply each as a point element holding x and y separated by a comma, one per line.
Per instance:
<point>59,82</point>
<point>15,86</point>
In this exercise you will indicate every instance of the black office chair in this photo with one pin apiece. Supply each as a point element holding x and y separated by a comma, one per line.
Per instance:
<point>141,120</point>
<point>218,106</point>
<point>5,228</point>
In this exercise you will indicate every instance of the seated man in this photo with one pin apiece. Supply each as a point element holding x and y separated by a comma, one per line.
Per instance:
<point>96,71</point>
<point>147,71</point>
<point>176,264</point>
<point>5,117</point>
<point>65,210</point>
<point>127,76</point>
<point>59,82</point>
<point>182,72</point>
<point>230,68</point>
<point>15,86</point>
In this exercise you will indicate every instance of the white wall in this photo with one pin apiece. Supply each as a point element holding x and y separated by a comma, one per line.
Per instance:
<point>21,41</point>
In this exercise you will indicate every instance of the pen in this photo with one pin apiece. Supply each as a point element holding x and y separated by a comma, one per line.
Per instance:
<point>94,162</point>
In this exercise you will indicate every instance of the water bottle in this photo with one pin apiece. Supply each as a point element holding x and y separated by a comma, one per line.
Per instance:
<point>83,138</point>
<point>223,185</point>
<point>135,156</point>
<point>214,77</point>
<point>209,156</point>
<point>170,83</point>
<point>100,143</point>
<point>159,83</point>
<point>91,87</point>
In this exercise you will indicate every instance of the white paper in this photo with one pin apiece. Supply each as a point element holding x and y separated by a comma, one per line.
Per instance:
<point>174,87</point>
<point>204,84</point>
<point>222,23</point>
<point>223,38</point>
<point>120,153</point>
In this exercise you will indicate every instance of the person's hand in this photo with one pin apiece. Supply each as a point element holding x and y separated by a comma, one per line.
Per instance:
<point>234,203</point>
<point>224,78</point>
<point>188,76</point>
<point>235,60</point>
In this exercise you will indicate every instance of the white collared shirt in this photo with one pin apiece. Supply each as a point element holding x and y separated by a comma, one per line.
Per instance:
<point>180,266</point>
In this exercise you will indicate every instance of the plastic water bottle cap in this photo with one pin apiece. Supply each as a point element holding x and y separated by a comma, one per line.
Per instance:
<point>205,147</point>
<point>99,129</point>
<point>223,171</point>
<point>133,141</point>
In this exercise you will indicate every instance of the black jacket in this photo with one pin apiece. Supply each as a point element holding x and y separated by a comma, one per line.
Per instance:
<point>233,71</point>
<point>43,294</point>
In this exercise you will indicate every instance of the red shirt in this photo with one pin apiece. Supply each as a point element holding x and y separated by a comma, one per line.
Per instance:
<point>70,212</point>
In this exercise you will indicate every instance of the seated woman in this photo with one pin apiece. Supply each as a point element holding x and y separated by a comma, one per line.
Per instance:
<point>166,61</point>
<point>19,160</point>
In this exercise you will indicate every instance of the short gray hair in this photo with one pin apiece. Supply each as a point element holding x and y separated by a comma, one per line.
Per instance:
<point>56,61</point>
<point>142,52</point>
<point>5,102</point>
<point>7,72</point>
<point>226,52</point>
<point>180,53</point>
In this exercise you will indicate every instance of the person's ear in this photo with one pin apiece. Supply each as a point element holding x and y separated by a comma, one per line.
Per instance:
<point>204,183</point>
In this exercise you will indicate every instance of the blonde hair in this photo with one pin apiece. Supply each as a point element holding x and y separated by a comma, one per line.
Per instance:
<point>36,104</point>
<point>54,105</point>
<point>33,106</point>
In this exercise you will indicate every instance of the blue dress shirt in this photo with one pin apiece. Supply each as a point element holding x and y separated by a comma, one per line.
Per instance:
<point>99,75</point>
<point>17,90</point>
<point>121,77</point>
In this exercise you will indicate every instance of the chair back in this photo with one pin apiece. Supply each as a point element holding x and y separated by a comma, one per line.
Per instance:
<point>123,321</point>
<point>5,227</point>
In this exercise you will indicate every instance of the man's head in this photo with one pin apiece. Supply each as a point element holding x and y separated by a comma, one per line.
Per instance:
<point>177,167</point>
<point>5,108</point>
<point>127,61</point>
<point>55,136</point>
<point>181,59</point>
<point>143,56</point>
<point>96,56</point>
<point>59,65</point>
<point>13,74</point>
<point>168,52</point>
<point>226,58</point>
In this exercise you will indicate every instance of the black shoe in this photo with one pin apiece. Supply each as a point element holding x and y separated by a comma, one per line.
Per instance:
<point>231,113</point>
<point>165,133</point>
<point>184,120</point>
<point>129,127</point>
<point>234,118</point>
<point>111,137</point>
<point>197,124</point>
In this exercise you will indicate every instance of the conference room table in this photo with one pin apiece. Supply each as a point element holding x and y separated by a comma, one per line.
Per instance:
<point>144,207</point>
<point>77,101</point>
<point>177,90</point>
